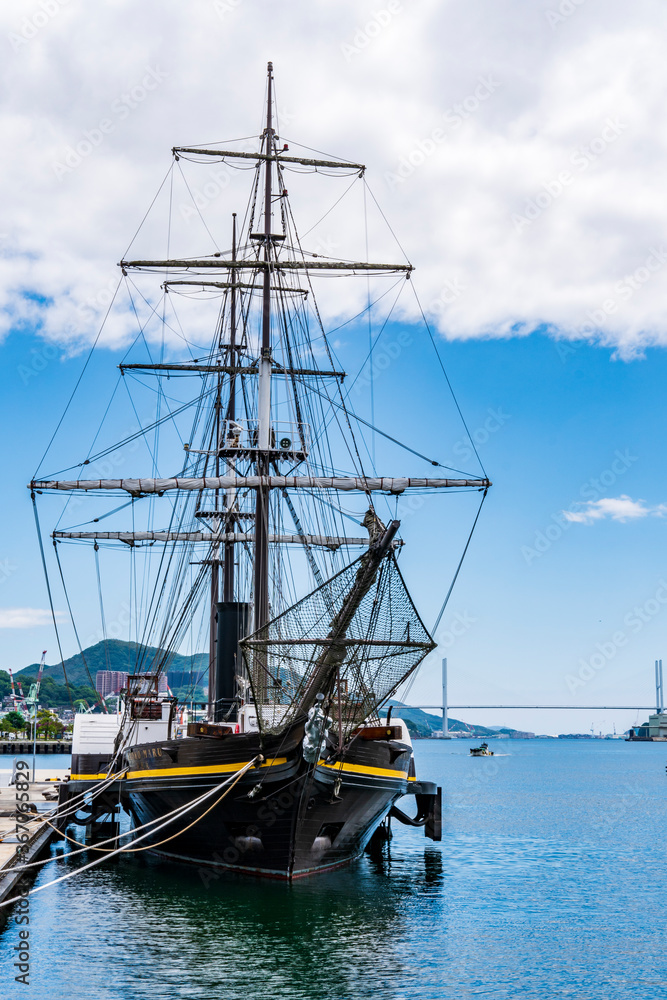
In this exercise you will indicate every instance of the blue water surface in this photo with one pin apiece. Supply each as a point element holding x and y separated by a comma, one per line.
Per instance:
<point>56,764</point>
<point>550,881</point>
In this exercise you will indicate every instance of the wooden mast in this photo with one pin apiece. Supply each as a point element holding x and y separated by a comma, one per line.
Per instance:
<point>215,556</point>
<point>228,570</point>
<point>261,581</point>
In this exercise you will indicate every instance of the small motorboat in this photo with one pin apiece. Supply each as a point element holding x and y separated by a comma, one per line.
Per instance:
<point>481,751</point>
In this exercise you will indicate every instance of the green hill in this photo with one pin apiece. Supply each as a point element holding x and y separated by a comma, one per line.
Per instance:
<point>116,654</point>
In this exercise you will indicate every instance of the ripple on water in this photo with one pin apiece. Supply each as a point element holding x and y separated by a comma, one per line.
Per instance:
<point>546,884</point>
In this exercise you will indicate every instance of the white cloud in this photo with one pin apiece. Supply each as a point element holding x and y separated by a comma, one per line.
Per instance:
<point>516,155</point>
<point>621,508</point>
<point>26,617</point>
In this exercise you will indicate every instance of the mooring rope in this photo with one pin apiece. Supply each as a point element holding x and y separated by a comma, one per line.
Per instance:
<point>162,820</point>
<point>71,808</point>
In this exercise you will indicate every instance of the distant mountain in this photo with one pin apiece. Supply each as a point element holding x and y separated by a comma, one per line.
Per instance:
<point>421,723</point>
<point>116,654</point>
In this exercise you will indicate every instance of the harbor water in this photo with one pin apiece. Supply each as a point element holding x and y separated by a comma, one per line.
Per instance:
<point>549,882</point>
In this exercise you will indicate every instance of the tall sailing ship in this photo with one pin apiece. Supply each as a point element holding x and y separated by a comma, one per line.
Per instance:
<point>296,766</point>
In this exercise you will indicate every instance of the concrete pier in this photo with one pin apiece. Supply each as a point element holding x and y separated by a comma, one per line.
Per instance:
<point>23,746</point>
<point>40,832</point>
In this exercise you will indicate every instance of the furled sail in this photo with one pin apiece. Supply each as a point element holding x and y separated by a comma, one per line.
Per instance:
<point>363,484</point>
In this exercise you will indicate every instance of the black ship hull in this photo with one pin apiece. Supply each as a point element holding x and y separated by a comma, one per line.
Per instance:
<point>283,818</point>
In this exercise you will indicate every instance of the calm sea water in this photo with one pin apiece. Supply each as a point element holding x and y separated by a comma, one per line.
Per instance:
<point>52,764</point>
<point>550,881</point>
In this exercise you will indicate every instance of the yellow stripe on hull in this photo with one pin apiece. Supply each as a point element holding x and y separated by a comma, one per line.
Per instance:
<point>90,777</point>
<point>173,772</point>
<point>381,772</point>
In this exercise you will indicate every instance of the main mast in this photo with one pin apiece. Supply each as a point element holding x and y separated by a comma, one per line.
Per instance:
<point>261,580</point>
<point>228,565</point>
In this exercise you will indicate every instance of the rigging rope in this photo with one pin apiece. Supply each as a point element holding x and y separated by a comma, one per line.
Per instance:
<point>444,372</point>
<point>151,847</point>
<point>350,412</point>
<point>458,568</point>
<point>451,586</point>
<point>181,810</point>
<point>197,207</point>
<point>78,381</point>
<point>426,324</point>
<point>76,631</point>
<point>137,434</point>
<point>73,807</point>
<point>99,592</point>
<point>48,590</point>
<point>148,210</point>
<point>371,373</point>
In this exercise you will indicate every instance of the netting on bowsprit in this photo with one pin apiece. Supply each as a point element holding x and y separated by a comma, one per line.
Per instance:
<point>356,651</point>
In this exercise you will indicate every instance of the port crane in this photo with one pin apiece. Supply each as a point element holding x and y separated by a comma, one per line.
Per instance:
<point>32,705</point>
<point>18,701</point>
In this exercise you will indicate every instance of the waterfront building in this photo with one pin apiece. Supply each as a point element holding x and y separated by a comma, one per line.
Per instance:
<point>655,729</point>
<point>108,682</point>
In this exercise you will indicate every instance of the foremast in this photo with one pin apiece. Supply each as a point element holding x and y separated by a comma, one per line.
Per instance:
<point>223,557</point>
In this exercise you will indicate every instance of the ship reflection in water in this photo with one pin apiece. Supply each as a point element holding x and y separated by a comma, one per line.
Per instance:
<point>336,935</point>
<point>548,882</point>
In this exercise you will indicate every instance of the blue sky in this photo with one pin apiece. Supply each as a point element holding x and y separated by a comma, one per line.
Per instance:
<point>518,153</point>
<point>539,598</point>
